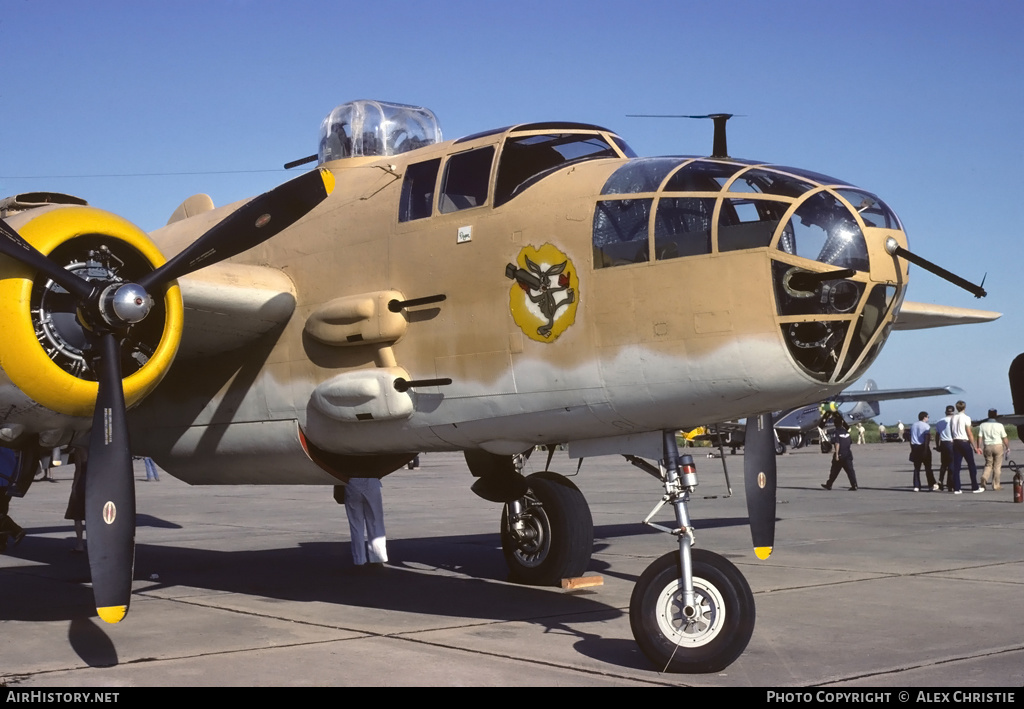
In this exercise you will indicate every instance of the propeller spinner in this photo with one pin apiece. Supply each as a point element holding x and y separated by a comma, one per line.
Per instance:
<point>108,309</point>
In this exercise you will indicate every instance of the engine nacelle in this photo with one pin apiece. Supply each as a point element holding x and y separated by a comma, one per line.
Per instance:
<point>44,348</point>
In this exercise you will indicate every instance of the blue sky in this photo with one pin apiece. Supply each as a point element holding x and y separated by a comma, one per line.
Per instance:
<point>920,102</point>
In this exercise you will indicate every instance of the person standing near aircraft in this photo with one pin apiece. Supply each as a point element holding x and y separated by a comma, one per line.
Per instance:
<point>992,438</point>
<point>963,447</point>
<point>899,429</point>
<point>76,501</point>
<point>860,434</point>
<point>842,454</point>
<point>8,470</point>
<point>151,473</point>
<point>364,506</point>
<point>944,445</point>
<point>920,453</point>
<point>881,433</point>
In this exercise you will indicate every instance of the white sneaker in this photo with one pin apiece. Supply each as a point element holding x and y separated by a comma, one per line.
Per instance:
<point>917,489</point>
<point>980,489</point>
<point>935,487</point>
<point>958,492</point>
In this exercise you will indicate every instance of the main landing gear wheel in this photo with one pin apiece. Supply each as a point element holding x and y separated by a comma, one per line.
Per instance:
<point>780,448</point>
<point>718,632</point>
<point>556,537</point>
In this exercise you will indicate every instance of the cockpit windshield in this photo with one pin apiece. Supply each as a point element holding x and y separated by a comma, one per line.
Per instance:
<point>376,128</point>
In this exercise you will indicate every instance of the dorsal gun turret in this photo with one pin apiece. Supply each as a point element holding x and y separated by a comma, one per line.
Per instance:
<point>376,129</point>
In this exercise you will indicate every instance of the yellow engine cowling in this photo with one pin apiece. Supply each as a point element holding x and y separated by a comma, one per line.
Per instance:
<point>34,354</point>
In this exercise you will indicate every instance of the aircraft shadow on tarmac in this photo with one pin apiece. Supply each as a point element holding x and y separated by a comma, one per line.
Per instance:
<point>322,572</point>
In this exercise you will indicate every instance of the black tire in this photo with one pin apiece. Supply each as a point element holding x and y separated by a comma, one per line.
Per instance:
<point>559,515</point>
<point>780,448</point>
<point>723,629</point>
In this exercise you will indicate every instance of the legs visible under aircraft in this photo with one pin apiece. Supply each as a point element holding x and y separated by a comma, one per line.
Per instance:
<point>691,610</point>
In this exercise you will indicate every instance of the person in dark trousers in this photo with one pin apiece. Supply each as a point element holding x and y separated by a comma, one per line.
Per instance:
<point>944,445</point>
<point>842,454</point>
<point>921,452</point>
<point>8,528</point>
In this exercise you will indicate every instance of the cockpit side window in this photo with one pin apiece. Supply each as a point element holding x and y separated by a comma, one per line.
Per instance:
<point>748,223</point>
<point>526,159</point>
<point>620,232</point>
<point>417,199</point>
<point>682,227</point>
<point>466,177</point>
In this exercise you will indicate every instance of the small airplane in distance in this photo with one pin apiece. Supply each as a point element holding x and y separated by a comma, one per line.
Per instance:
<point>531,285</point>
<point>792,425</point>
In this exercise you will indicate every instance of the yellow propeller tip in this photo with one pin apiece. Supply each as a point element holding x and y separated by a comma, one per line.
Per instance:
<point>763,553</point>
<point>113,614</point>
<point>328,177</point>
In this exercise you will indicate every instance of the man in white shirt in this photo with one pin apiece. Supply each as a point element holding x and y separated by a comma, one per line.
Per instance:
<point>993,440</point>
<point>964,447</point>
<point>944,445</point>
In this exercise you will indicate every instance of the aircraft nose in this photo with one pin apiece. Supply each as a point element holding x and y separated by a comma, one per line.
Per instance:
<point>812,227</point>
<point>828,227</point>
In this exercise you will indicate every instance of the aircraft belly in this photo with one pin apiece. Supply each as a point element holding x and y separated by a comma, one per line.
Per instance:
<point>251,453</point>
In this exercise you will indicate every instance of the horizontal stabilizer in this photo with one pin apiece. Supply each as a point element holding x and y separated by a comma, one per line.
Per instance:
<point>920,316</point>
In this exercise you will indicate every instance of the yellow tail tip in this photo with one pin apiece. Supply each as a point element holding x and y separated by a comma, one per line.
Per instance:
<point>763,553</point>
<point>113,614</point>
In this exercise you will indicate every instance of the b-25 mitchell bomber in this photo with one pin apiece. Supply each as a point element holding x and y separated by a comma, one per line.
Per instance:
<point>530,285</point>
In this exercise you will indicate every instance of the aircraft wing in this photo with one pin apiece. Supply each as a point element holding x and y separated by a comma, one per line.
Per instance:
<point>886,394</point>
<point>229,305</point>
<point>920,316</point>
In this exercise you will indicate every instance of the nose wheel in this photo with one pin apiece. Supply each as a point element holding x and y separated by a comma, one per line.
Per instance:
<point>705,637</point>
<point>692,610</point>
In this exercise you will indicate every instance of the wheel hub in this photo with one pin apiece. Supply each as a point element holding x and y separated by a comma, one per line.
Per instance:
<point>692,626</point>
<point>531,534</point>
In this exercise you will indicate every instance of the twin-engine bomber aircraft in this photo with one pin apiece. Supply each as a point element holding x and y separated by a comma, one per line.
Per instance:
<point>531,285</point>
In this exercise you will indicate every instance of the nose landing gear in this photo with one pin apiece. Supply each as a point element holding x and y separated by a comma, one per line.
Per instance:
<point>691,610</point>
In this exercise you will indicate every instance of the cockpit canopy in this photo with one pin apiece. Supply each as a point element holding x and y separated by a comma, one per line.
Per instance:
<point>376,129</point>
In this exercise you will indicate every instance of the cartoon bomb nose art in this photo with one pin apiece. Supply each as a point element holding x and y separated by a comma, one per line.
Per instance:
<point>544,298</point>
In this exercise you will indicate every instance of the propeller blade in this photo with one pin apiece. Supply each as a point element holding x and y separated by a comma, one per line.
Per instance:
<point>11,244</point>
<point>250,225</point>
<point>759,480</point>
<point>110,491</point>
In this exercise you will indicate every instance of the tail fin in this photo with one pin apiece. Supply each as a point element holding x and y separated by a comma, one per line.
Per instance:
<point>1017,384</point>
<point>864,410</point>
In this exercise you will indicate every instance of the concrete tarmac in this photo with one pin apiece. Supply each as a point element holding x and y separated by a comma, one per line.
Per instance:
<point>254,586</point>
